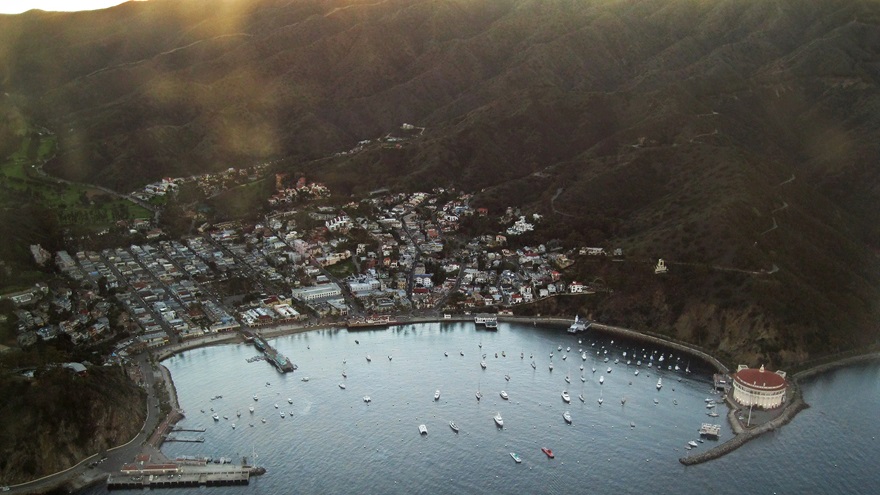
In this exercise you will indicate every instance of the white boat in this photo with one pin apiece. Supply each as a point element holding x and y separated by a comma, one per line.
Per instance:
<point>656,401</point>
<point>608,370</point>
<point>437,394</point>
<point>423,430</point>
<point>594,369</point>
<point>342,386</point>
<point>584,355</point>
<point>623,401</point>
<point>276,405</point>
<point>263,420</point>
<point>367,398</point>
<point>251,409</point>
<point>479,395</point>
<point>233,426</point>
<point>568,349</point>
<point>453,426</point>
<point>305,378</point>
<point>507,377</point>
<point>564,356</point>
<point>600,400</point>
<point>389,358</point>
<point>567,417</point>
<point>559,348</point>
<point>551,366</point>
<point>581,397</point>
<point>693,443</point>
<point>282,414</point>
<point>461,353</point>
<point>498,420</point>
<point>565,396</point>
<point>567,379</point>
<point>582,368</point>
<point>515,457</point>
<point>237,414</point>
<point>344,375</point>
<point>504,395</point>
<point>605,360</point>
<point>483,364</point>
<point>534,365</point>
<point>290,400</point>
<point>445,353</point>
<point>710,405</point>
<point>601,380</point>
<point>216,417</point>
<point>583,378</point>
<point>255,398</point>
<point>712,414</point>
<point>659,383</point>
<point>369,358</point>
<point>637,373</point>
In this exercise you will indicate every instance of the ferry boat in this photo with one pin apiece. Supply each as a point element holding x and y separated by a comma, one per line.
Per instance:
<point>548,452</point>
<point>516,457</point>
<point>566,397</point>
<point>567,417</point>
<point>498,420</point>
<point>710,431</point>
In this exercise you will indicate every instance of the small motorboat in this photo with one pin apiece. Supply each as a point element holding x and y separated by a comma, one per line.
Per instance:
<point>566,397</point>
<point>216,417</point>
<point>479,395</point>
<point>263,420</point>
<point>461,353</point>
<point>445,353</point>
<point>637,373</point>
<point>581,397</point>
<point>504,395</point>
<point>515,457</point>
<point>659,383</point>
<point>342,386</point>
<point>437,394</point>
<point>453,426</point>
<point>255,398</point>
<point>567,379</point>
<point>389,358</point>
<point>290,400</point>
<point>344,375</point>
<point>233,426</point>
<point>369,358</point>
<point>281,414</point>
<point>423,430</point>
<point>276,405</point>
<point>601,380</point>
<point>693,443</point>
<point>498,420</point>
<point>483,364</point>
<point>567,417</point>
<point>305,378</point>
<point>548,452</point>
<point>608,370</point>
<point>367,399</point>
<point>551,366</point>
<point>507,377</point>
<point>251,409</point>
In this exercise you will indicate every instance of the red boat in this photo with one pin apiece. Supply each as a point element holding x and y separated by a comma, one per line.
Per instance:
<point>547,451</point>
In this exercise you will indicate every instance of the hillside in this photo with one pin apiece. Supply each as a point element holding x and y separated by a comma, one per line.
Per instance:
<point>734,134</point>
<point>55,420</point>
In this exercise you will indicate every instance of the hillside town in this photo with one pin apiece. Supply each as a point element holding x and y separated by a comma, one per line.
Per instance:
<point>305,263</point>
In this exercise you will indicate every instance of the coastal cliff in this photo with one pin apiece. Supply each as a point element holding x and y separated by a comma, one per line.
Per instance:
<point>56,419</point>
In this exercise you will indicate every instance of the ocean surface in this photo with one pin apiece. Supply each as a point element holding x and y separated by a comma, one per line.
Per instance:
<point>331,441</point>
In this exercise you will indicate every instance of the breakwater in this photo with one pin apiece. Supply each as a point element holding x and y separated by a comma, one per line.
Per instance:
<point>743,436</point>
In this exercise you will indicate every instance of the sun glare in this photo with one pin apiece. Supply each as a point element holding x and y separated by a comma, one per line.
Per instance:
<point>19,6</point>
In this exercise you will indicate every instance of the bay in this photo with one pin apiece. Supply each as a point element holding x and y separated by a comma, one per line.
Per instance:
<point>331,441</point>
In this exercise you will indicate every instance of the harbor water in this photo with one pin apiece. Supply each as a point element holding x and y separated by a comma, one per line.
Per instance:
<point>331,441</point>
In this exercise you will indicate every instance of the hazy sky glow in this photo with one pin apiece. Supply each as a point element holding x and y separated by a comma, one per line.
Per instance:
<point>19,6</point>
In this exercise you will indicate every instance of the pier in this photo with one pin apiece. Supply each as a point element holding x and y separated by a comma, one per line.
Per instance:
<point>183,476</point>
<point>198,429</point>
<point>276,359</point>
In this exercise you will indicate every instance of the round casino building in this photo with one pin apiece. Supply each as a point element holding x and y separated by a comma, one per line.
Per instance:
<point>759,388</point>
